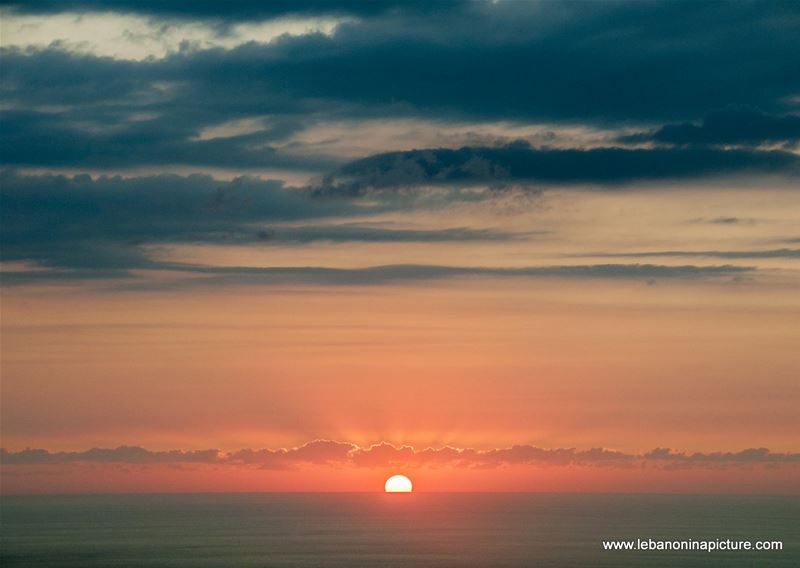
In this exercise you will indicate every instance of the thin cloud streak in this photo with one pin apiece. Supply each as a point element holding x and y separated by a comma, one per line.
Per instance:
<point>370,276</point>
<point>729,254</point>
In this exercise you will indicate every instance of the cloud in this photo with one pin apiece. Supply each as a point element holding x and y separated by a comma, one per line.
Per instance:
<point>246,108</point>
<point>609,64</point>
<point>82,223</point>
<point>730,221</point>
<point>383,454</point>
<point>318,452</point>
<point>122,454</point>
<point>518,162</point>
<point>750,455</point>
<point>236,10</point>
<point>410,272</point>
<point>359,233</point>
<point>195,208</point>
<point>203,275</point>
<point>33,138</point>
<point>731,126</point>
<point>730,254</point>
<point>79,228</point>
<point>99,228</point>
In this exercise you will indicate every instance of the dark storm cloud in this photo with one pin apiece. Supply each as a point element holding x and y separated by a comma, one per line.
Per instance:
<point>82,223</point>
<point>598,63</point>
<point>732,126</point>
<point>65,109</point>
<point>70,140</point>
<point>234,10</point>
<point>97,227</point>
<point>79,228</point>
<point>521,163</point>
<point>606,64</point>
<point>560,61</point>
<point>329,452</point>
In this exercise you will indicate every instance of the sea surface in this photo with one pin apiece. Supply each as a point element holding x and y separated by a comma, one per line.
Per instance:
<point>378,530</point>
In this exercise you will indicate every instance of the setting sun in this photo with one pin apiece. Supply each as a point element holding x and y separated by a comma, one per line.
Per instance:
<point>398,484</point>
<point>534,261</point>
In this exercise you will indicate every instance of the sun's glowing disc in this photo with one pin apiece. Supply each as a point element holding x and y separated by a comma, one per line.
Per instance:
<point>398,484</point>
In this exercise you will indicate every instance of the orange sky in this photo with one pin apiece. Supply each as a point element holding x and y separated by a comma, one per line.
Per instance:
<point>476,364</point>
<point>698,365</point>
<point>283,254</point>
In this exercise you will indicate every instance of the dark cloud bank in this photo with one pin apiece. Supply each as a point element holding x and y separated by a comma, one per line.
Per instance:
<point>713,87</point>
<point>327,452</point>
<point>80,228</point>
<point>519,162</point>
<point>233,10</point>
<point>667,64</point>
<point>732,126</point>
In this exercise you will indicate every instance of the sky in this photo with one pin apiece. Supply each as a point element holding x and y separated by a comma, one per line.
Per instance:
<point>494,246</point>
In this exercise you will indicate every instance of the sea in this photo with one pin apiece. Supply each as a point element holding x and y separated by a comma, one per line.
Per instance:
<point>354,530</point>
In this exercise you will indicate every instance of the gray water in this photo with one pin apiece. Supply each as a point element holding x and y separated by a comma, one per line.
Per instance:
<point>377,530</point>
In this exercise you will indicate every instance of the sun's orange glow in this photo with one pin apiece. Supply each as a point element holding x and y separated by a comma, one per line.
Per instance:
<point>398,484</point>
